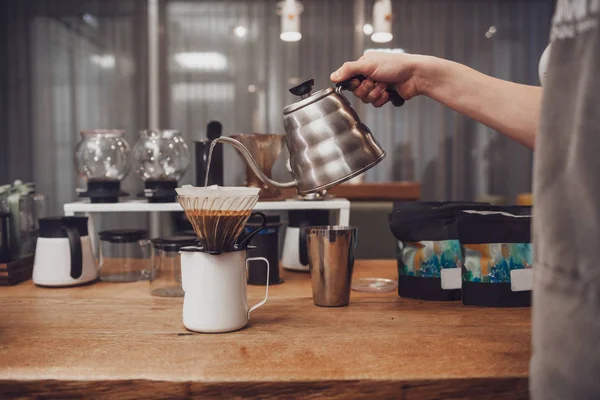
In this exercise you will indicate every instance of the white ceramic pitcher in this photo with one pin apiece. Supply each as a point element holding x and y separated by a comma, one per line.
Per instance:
<point>215,290</point>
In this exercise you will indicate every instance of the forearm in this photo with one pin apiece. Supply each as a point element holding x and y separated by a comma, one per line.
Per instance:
<point>506,107</point>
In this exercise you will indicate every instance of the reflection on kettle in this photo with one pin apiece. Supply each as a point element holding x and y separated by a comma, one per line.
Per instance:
<point>63,255</point>
<point>327,142</point>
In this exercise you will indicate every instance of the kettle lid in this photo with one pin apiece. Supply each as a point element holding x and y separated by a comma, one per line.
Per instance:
<point>304,91</point>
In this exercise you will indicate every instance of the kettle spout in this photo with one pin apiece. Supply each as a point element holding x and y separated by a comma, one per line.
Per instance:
<point>255,168</point>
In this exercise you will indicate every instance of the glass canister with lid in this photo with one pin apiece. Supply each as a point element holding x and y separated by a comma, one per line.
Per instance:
<point>165,279</point>
<point>102,158</point>
<point>161,157</point>
<point>123,255</point>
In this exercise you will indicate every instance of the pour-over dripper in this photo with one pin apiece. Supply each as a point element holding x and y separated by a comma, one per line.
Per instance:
<point>265,149</point>
<point>218,214</point>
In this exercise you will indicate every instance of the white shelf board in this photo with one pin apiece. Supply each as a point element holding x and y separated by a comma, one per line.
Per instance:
<point>144,206</point>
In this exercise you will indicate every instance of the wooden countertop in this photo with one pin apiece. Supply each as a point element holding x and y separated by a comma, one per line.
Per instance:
<point>103,337</point>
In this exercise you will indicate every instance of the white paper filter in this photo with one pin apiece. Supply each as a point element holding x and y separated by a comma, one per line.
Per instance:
<point>217,191</point>
<point>217,197</point>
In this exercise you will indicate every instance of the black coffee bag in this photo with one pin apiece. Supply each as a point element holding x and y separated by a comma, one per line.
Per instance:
<point>429,254</point>
<point>497,256</point>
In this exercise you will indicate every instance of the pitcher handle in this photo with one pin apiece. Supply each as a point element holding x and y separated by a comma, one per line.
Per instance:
<point>75,250</point>
<point>263,301</point>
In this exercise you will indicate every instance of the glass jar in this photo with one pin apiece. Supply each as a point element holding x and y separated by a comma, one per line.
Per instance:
<point>161,155</point>
<point>123,255</point>
<point>103,155</point>
<point>165,279</point>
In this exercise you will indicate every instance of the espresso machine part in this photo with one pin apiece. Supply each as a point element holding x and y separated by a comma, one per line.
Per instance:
<point>327,141</point>
<point>295,255</point>
<point>202,147</point>
<point>265,149</point>
<point>161,158</point>
<point>102,157</point>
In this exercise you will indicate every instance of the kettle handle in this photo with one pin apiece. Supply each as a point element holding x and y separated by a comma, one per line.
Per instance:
<point>76,252</point>
<point>395,98</point>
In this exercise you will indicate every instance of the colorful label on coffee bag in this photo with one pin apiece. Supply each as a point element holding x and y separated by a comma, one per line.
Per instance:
<point>428,258</point>
<point>495,262</point>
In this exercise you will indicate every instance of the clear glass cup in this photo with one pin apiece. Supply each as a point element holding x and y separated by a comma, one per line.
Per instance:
<point>165,278</point>
<point>103,155</point>
<point>123,255</point>
<point>161,155</point>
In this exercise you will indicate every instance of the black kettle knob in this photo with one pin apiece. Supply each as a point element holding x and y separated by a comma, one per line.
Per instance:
<point>303,89</point>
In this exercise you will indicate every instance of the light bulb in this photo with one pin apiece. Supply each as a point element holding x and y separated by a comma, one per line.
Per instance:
<point>240,31</point>
<point>382,37</point>
<point>367,29</point>
<point>290,36</point>
<point>382,21</point>
<point>290,21</point>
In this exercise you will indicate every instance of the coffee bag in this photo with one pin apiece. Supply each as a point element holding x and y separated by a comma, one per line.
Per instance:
<point>498,256</point>
<point>429,254</point>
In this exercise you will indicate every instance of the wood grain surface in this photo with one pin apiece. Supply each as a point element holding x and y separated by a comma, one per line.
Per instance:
<point>384,191</point>
<point>115,340</point>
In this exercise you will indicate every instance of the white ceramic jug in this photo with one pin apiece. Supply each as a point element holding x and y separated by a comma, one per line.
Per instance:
<point>215,290</point>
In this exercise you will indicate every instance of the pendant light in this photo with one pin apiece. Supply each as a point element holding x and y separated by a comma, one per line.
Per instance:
<point>290,11</point>
<point>382,21</point>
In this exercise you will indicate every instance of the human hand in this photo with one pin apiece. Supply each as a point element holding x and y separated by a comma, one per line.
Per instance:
<point>382,71</point>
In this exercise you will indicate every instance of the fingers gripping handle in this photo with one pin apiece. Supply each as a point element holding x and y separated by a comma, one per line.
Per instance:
<point>254,307</point>
<point>395,98</point>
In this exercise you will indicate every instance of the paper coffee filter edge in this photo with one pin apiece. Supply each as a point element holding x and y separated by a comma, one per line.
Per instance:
<point>217,191</point>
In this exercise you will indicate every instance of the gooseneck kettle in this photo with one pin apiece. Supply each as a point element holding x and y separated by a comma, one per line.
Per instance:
<point>327,142</point>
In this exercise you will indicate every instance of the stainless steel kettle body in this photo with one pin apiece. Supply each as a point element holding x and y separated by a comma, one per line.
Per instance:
<point>327,141</point>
